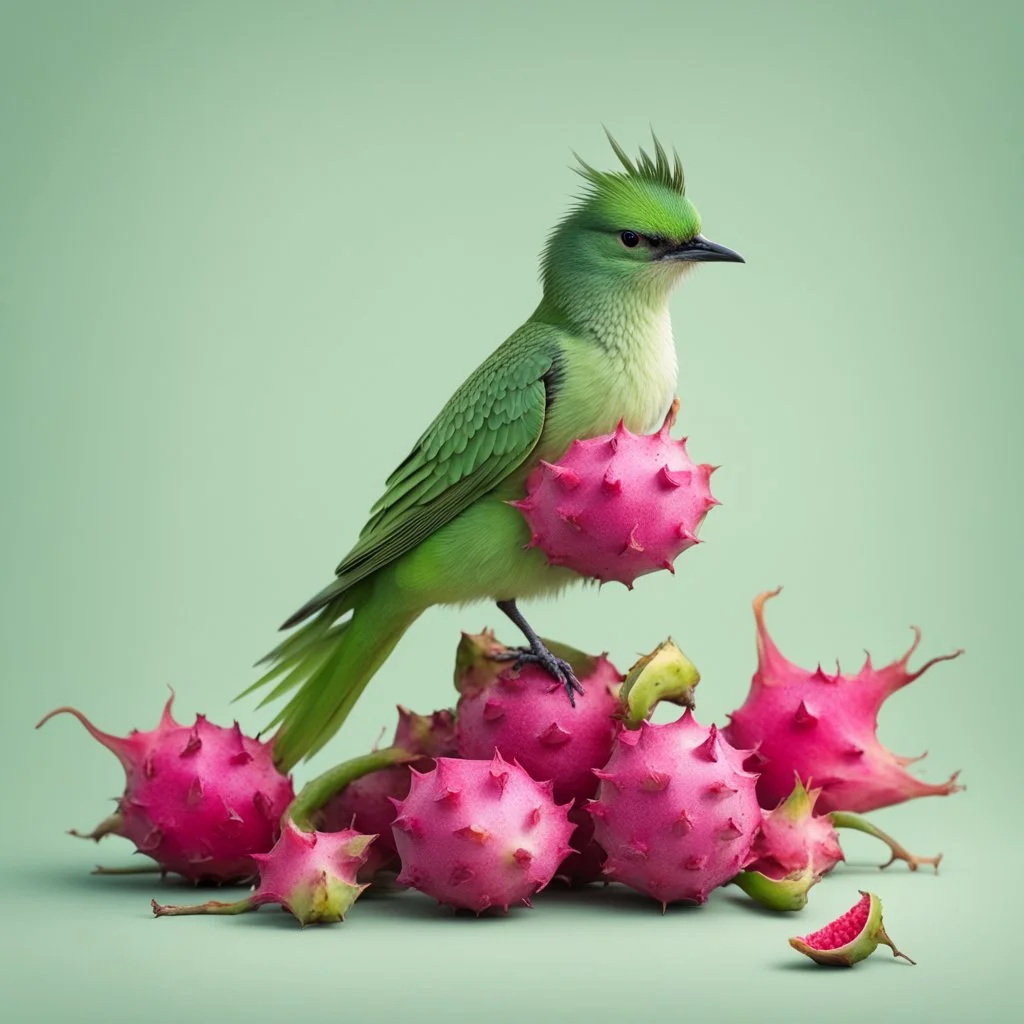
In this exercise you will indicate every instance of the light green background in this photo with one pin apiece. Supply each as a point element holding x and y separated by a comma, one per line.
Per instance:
<point>246,252</point>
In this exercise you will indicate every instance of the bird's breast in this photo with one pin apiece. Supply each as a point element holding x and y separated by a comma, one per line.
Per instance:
<point>630,376</point>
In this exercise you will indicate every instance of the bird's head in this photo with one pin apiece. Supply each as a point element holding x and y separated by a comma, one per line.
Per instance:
<point>632,228</point>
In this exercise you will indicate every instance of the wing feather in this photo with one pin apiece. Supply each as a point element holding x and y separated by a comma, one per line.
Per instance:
<point>487,429</point>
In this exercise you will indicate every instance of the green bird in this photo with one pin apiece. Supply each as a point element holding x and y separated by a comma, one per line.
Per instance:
<point>598,348</point>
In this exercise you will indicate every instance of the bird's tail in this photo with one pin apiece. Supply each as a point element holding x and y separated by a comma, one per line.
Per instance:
<point>329,662</point>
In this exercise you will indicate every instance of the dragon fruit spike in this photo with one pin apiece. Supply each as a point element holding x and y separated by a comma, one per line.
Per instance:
<point>823,728</point>
<point>199,800</point>
<point>524,715</point>
<point>480,834</point>
<point>313,875</point>
<point>675,810</point>
<point>618,506</point>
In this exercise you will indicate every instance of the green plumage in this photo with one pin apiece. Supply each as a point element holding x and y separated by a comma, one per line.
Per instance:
<point>597,349</point>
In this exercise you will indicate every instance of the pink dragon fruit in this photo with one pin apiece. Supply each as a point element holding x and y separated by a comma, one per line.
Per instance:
<point>200,800</point>
<point>586,866</point>
<point>795,847</point>
<point>524,714</point>
<point>366,803</point>
<point>618,506</point>
<point>477,834</point>
<point>675,811</point>
<point>311,874</point>
<point>822,728</point>
<point>792,835</point>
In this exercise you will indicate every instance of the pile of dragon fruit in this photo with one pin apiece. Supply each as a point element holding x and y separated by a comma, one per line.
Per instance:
<point>483,806</point>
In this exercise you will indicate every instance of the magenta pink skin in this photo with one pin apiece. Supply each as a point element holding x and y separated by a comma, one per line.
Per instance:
<point>675,811</point>
<point>367,803</point>
<point>618,506</point>
<point>785,845</point>
<point>299,860</point>
<point>587,866</point>
<point>199,800</point>
<point>822,728</point>
<point>366,806</point>
<point>526,717</point>
<point>480,834</point>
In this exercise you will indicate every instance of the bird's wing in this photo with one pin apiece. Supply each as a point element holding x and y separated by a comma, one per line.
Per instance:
<point>487,429</point>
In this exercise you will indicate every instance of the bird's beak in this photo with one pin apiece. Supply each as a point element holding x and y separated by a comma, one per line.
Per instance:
<point>702,250</point>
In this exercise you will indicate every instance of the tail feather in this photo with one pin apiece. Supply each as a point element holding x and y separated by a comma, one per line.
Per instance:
<point>324,599</point>
<point>329,663</point>
<point>297,665</point>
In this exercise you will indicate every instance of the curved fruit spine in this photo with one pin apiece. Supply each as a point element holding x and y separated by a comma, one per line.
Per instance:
<point>823,728</point>
<point>850,938</point>
<point>618,506</point>
<point>479,834</point>
<point>200,800</point>
<point>312,875</point>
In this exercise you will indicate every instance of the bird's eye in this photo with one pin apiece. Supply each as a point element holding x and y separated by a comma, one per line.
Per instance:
<point>630,239</point>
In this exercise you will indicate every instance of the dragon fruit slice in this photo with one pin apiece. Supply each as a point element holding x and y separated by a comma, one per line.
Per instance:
<point>200,800</point>
<point>525,717</point>
<point>675,811</point>
<point>850,938</point>
<point>477,834</point>
<point>618,506</point>
<point>823,728</point>
<point>313,875</point>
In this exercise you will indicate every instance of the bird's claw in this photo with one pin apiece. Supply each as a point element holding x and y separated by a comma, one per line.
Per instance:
<point>558,668</point>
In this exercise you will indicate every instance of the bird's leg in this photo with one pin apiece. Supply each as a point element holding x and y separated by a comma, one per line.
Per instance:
<point>538,654</point>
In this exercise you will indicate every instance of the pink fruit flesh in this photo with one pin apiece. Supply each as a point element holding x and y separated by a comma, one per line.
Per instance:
<point>843,929</point>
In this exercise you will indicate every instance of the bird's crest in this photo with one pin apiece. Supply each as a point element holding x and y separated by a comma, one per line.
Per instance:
<point>659,170</point>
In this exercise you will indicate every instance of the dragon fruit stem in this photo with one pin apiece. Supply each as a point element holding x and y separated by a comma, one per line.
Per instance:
<point>670,417</point>
<point>845,819</point>
<point>212,907</point>
<point>130,869</point>
<point>320,790</point>
<point>108,826</point>
<point>664,674</point>
<point>883,939</point>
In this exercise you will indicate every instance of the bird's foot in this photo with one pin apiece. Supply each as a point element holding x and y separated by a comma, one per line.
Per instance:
<point>537,654</point>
